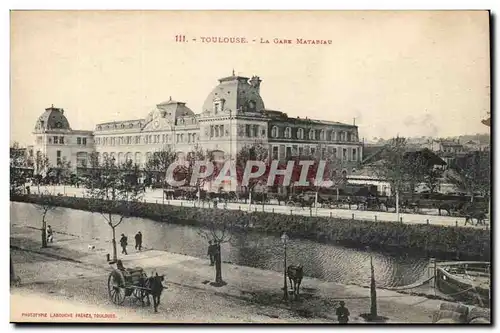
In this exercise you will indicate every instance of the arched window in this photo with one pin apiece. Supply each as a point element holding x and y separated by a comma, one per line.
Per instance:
<point>105,156</point>
<point>81,159</point>
<point>274,132</point>
<point>300,133</point>
<point>312,134</point>
<point>181,157</point>
<point>334,136</point>
<point>148,156</point>
<point>322,135</point>
<point>218,155</point>
<point>288,132</point>
<point>113,156</point>
<point>128,157</point>
<point>138,157</point>
<point>120,158</point>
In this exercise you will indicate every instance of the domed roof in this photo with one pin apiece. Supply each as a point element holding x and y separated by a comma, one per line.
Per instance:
<point>170,110</point>
<point>52,118</point>
<point>236,93</point>
<point>174,108</point>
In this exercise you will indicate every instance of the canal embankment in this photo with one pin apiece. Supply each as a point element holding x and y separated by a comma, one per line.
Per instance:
<point>255,289</point>
<point>445,242</point>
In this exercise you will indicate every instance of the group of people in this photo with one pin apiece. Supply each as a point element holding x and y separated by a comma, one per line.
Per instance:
<point>213,251</point>
<point>124,242</point>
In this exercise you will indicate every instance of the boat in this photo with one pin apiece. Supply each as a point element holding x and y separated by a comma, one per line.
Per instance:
<point>467,281</point>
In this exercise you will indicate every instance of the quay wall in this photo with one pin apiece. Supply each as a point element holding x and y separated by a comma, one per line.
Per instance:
<point>456,243</point>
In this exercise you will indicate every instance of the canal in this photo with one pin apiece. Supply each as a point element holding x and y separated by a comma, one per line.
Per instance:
<point>328,262</point>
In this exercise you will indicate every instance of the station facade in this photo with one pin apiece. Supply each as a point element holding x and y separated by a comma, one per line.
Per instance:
<point>233,115</point>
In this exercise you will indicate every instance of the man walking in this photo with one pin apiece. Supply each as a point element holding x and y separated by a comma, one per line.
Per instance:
<point>343,313</point>
<point>211,252</point>
<point>138,241</point>
<point>123,243</point>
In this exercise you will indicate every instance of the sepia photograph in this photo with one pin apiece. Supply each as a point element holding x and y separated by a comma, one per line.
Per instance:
<point>250,167</point>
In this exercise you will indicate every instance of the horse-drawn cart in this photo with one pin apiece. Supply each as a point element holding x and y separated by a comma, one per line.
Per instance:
<point>131,282</point>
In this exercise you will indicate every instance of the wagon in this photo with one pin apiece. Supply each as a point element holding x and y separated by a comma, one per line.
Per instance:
<point>130,282</point>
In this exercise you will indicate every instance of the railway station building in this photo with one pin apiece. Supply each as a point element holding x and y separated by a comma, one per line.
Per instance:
<point>233,115</point>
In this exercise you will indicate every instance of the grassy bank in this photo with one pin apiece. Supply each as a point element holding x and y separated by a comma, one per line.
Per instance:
<point>456,242</point>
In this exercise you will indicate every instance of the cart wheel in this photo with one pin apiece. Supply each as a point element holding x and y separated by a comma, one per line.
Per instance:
<point>116,289</point>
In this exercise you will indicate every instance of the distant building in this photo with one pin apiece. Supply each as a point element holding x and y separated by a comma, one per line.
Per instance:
<point>367,175</point>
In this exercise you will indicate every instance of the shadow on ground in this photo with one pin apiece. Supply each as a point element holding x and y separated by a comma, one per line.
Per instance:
<point>307,304</point>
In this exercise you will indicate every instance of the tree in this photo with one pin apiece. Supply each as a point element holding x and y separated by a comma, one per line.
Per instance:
<point>415,170</point>
<point>41,165</point>
<point>198,155</point>
<point>471,173</point>
<point>64,172</point>
<point>17,174</point>
<point>159,163</point>
<point>114,186</point>
<point>45,204</point>
<point>331,173</point>
<point>219,231</point>
<point>254,152</point>
<point>432,176</point>
<point>396,168</point>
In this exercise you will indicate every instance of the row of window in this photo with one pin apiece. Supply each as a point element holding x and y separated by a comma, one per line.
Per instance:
<point>81,141</point>
<point>122,157</point>
<point>250,131</point>
<point>146,139</point>
<point>59,140</point>
<point>345,136</point>
<point>348,154</point>
<point>218,131</point>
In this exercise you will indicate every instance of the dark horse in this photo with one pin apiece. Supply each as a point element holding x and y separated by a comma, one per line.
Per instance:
<point>295,274</point>
<point>154,285</point>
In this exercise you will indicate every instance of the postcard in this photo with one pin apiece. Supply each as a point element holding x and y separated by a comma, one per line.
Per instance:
<point>308,167</point>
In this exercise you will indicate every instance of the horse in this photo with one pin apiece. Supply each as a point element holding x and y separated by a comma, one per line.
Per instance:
<point>480,216</point>
<point>154,287</point>
<point>450,206</point>
<point>295,274</point>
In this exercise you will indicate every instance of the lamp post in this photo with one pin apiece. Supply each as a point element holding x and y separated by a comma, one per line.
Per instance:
<point>284,239</point>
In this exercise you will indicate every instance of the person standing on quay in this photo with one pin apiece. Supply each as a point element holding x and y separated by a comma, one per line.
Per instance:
<point>50,234</point>
<point>343,313</point>
<point>211,253</point>
<point>138,241</point>
<point>123,243</point>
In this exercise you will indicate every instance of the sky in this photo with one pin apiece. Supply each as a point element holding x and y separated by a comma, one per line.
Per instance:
<point>407,73</point>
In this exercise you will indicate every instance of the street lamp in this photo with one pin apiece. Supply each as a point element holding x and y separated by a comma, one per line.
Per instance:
<point>284,239</point>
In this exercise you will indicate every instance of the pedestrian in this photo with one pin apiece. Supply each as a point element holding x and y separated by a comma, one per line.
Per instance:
<point>123,243</point>
<point>28,190</point>
<point>211,253</point>
<point>138,241</point>
<point>343,313</point>
<point>50,234</point>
